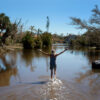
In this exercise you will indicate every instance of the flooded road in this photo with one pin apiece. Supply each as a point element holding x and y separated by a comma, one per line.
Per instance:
<point>25,74</point>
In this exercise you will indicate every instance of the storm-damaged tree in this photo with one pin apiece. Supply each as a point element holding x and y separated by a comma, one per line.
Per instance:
<point>7,28</point>
<point>32,29</point>
<point>4,25</point>
<point>92,35</point>
<point>47,24</point>
<point>4,22</point>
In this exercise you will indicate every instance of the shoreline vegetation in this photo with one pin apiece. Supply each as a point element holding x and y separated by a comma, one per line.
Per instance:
<point>91,36</point>
<point>9,48</point>
<point>13,36</point>
<point>13,33</point>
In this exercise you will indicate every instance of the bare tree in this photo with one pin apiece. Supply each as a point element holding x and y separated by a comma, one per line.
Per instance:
<point>47,24</point>
<point>91,25</point>
<point>33,30</point>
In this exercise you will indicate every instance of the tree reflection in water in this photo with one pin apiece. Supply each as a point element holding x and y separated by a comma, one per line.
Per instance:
<point>90,54</point>
<point>92,78</point>
<point>28,57</point>
<point>6,76</point>
<point>8,61</point>
<point>8,68</point>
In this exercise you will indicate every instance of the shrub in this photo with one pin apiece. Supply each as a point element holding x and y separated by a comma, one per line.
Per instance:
<point>8,41</point>
<point>46,39</point>
<point>37,42</point>
<point>28,41</point>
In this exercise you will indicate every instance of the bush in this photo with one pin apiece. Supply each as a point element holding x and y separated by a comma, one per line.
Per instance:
<point>37,42</point>
<point>46,39</point>
<point>28,41</point>
<point>8,41</point>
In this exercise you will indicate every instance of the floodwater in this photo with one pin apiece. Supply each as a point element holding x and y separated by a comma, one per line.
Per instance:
<point>25,75</point>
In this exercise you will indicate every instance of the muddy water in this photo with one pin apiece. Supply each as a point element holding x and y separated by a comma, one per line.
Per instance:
<point>25,75</point>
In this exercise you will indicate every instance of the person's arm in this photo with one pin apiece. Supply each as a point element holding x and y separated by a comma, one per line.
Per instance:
<point>44,52</point>
<point>61,52</point>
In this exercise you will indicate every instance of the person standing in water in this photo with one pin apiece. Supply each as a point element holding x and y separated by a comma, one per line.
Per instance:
<point>53,57</point>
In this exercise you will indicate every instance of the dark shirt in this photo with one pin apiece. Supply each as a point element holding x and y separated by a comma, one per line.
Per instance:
<point>52,60</point>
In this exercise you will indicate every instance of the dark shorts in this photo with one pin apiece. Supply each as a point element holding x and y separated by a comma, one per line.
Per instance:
<point>53,67</point>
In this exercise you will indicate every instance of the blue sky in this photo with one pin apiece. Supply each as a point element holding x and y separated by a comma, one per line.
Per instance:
<point>34,12</point>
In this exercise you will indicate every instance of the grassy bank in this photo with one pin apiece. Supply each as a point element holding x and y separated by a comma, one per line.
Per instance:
<point>10,48</point>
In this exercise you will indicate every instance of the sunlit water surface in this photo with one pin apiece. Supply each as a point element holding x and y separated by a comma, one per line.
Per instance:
<point>25,74</point>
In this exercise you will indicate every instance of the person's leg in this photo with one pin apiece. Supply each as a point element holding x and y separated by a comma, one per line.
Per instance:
<point>55,72</point>
<point>51,73</point>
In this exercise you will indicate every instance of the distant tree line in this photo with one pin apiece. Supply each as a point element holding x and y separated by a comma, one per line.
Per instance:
<point>58,38</point>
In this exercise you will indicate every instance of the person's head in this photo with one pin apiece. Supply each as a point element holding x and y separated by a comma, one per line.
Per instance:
<point>52,51</point>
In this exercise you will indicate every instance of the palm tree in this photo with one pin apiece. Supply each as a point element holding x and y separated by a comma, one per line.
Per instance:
<point>32,28</point>
<point>39,31</point>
